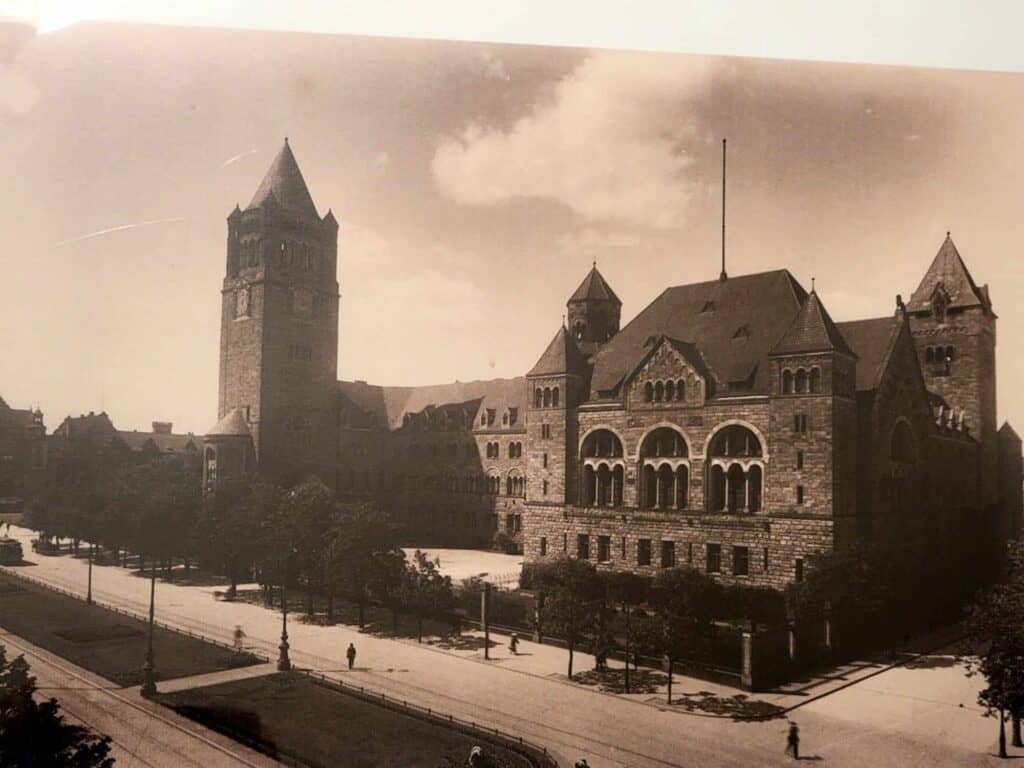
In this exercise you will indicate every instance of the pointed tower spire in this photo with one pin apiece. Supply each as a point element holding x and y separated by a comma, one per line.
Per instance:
<point>949,279</point>
<point>284,182</point>
<point>594,309</point>
<point>812,330</point>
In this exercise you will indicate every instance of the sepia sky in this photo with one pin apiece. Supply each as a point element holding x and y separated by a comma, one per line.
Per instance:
<point>474,185</point>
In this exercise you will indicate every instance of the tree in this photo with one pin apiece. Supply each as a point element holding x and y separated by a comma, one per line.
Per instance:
<point>686,601</point>
<point>572,592</point>
<point>33,733</point>
<point>996,620</point>
<point>308,510</point>
<point>629,590</point>
<point>425,590</point>
<point>229,534</point>
<point>362,546</point>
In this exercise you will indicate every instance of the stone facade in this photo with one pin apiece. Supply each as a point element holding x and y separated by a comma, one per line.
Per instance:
<point>731,425</point>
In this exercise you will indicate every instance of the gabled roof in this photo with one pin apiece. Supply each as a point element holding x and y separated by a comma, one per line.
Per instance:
<point>285,184</point>
<point>232,425</point>
<point>561,356</point>
<point>391,404</point>
<point>164,442</point>
<point>686,350</point>
<point>594,288</point>
<point>948,271</point>
<point>812,330</point>
<point>1007,432</point>
<point>871,340</point>
<point>708,316</point>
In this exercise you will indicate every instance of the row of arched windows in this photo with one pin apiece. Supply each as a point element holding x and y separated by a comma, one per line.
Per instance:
<point>546,397</point>
<point>664,391</point>
<point>735,470</point>
<point>514,483</point>
<point>801,381</point>
<point>493,450</point>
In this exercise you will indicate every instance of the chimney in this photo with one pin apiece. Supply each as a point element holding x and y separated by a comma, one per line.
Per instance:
<point>162,427</point>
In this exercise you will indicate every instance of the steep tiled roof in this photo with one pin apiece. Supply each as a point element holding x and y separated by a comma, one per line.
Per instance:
<point>561,356</point>
<point>949,271</point>
<point>391,404</point>
<point>232,425</point>
<point>594,288</point>
<point>812,330</point>
<point>284,181</point>
<point>871,341</point>
<point>89,424</point>
<point>733,323</point>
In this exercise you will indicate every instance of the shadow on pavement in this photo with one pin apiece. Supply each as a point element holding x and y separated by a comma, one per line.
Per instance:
<point>737,707</point>
<point>614,680</point>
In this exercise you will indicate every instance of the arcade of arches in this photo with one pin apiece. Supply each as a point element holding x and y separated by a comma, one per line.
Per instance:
<point>734,465</point>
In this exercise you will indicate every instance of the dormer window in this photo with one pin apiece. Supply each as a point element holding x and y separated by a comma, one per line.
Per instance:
<point>513,416</point>
<point>940,303</point>
<point>742,332</point>
<point>709,306</point>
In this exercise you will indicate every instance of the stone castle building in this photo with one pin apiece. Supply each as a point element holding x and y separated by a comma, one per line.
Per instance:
<point>732,425</point>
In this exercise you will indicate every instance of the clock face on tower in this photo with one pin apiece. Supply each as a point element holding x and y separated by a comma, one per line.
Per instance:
<point>302,302</point>
<point>242,302</point>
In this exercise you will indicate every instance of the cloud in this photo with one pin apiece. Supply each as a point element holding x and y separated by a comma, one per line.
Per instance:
<point>17,93</point>
<point>614,143</point>
<point>493,67</point>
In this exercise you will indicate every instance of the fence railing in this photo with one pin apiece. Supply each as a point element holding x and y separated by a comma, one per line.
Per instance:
<point>537,755</point>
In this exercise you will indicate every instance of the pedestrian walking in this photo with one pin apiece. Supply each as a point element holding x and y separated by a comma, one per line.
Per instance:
<point>513,644</point>
<point>239,636</point>
<point>350,654</point>
<point>793,741</point>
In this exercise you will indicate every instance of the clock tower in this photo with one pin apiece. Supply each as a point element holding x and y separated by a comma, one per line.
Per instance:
<point>279,327</point>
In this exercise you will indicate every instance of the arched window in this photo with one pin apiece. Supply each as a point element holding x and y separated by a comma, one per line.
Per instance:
<point>538,398</point>
<point>801,381</point>
<point>680,390</point>
<point>663,441</point>
<point>787,382</point>
<point>929,355</point>
<point>670,390</point>
<point>554,397</point>
<point>949,354</point>
<point>648,392</point>
<point>814,381</point>
<point>601,443</point>
<point>659,392</point>
<point>754,485</point>
<point>682,486</point>
<point>735,440</point>
<point>547,397</point>
<point>659,481</point>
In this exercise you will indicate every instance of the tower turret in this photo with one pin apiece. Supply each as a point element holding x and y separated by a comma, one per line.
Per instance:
<point>279,325</point>
<point>594,310</point>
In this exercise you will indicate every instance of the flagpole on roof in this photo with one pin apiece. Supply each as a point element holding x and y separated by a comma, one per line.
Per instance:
<point>723,276</point>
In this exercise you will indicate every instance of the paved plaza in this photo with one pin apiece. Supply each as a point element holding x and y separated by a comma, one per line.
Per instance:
<point>921,714</point>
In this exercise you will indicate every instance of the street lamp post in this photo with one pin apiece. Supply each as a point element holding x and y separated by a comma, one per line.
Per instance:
<point>88,594</point>
<point>284,664</point>
<point>149,669</point>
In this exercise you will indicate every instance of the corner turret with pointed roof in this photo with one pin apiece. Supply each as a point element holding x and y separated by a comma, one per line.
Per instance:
<point>812,330</point>
<point>562,356</point>
<point>594,311</point>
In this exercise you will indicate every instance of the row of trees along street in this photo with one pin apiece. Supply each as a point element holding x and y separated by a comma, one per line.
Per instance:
<point>151,506</point>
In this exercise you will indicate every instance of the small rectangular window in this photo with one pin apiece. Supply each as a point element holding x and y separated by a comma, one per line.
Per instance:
<point>623,547</point>
<point>583,546</point>
<point>545,431</point>
<point>668,554</point>
<point>689,553</point>
<point>643,552</point>
<point>766,558</point>
<point>800,423</point>
<point>565,542</point>
<point>545,487</point>
<point>798,569</point>
<point>604,549</point>
<point>799,459</point>
<point>740,561</point>
<point>543,545</point>
<point>544,461</point>
<point>799,494</point>
<point>714,558</point>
